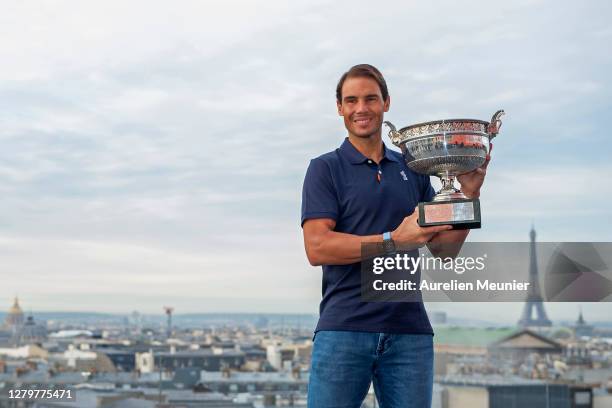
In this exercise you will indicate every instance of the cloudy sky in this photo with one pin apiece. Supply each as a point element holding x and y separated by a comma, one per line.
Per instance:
<point>153,154</point>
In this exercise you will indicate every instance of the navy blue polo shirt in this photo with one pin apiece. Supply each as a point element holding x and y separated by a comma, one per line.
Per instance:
<point>343,185</point>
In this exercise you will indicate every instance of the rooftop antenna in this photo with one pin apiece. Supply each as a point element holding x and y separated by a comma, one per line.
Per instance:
<point>169,310</point>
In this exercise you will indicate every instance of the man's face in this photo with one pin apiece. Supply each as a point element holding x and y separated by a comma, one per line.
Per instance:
<point>362,106</point>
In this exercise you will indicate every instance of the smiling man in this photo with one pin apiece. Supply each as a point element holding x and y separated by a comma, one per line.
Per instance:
<point>363,192</point>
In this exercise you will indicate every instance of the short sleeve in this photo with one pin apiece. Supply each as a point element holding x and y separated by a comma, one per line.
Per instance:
<point>427,191</point>
<point>319,196</point>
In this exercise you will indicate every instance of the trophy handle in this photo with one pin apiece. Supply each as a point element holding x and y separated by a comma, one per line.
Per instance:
<point>394,135</point>
<point>493,127</point>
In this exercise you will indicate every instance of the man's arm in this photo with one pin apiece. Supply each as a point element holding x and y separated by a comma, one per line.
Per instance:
<point>324,246</point>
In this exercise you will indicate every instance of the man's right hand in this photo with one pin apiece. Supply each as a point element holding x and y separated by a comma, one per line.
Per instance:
<point>411,233</point>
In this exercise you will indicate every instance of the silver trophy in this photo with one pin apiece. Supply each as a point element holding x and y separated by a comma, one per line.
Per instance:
<point>447,148</point>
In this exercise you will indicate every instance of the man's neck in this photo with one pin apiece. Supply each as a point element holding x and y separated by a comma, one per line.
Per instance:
<point>371,147</point>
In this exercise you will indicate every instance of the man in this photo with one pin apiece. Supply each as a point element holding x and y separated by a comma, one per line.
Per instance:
<point>363,192</point>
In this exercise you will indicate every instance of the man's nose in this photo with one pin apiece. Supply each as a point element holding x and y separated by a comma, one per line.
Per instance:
<point>361,106</point>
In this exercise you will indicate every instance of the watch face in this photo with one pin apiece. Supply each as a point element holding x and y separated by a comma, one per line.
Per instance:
<point>389,246</point>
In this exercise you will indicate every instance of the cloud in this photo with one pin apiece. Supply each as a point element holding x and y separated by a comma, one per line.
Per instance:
<point>146,136</point>
<point>72,268</point>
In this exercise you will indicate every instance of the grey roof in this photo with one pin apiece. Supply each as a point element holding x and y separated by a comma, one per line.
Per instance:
<point>488,380</point>
<point>590,375</point>
<point>89,399</point>
<point>120,377</point>
<point>500,343</point>
<point>249,377</point>
<point>110,351</point>
<point>188,375</point>
<point>201,353</point>
<point>132,403</point>
<point>199,396</point>
<point>68,378</point>
<point>33,377</point>
<point>6,377</point>
<point>149,377</point>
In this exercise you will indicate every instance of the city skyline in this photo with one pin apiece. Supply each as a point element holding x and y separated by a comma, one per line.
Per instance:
<point>464,313</point>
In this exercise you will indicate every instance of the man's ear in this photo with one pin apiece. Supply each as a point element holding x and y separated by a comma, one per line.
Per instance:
<point>387,103</point>
<point>339,107</point>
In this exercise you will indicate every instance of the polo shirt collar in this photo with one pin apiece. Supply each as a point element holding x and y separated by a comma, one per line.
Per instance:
<point>354,156</point>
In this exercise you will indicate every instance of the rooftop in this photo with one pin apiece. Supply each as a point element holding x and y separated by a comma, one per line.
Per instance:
<point>467,336</point>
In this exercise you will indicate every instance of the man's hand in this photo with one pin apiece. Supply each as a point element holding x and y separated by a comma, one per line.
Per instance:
<point>410,234</point>
<point>472,181</point>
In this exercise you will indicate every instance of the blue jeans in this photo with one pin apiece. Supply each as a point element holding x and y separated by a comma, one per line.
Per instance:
<point>344,364</point>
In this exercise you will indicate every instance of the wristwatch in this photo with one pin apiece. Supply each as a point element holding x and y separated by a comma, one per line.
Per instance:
<point>388,244</point>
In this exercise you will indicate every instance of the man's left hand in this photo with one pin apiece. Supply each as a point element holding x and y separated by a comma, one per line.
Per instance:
<point>472,181</point>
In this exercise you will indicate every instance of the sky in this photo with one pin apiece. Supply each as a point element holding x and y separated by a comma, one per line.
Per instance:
<point>153,153</point>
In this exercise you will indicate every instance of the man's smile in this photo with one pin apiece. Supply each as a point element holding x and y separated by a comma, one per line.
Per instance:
<point>363,121</point>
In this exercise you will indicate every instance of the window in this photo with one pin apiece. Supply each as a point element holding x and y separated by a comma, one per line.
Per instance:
<point>582,397</point>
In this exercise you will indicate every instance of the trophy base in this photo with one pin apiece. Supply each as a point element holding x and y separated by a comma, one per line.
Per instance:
<point>461,214</point>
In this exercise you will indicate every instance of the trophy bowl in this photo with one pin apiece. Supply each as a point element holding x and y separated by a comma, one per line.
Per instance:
<point>446,148</point>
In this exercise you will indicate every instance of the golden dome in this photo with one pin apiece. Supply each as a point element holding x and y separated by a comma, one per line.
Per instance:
<point>14,317</point>
<point>15,309</point>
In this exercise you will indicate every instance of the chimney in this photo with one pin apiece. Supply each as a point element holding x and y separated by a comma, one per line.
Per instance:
<point>296,372</point>
<point>225,372</point>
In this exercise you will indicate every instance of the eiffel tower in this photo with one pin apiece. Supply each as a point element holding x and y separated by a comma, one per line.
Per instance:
<point>534,297</point>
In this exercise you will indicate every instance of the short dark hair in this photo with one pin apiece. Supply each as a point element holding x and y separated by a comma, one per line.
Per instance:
<point>363,70</point>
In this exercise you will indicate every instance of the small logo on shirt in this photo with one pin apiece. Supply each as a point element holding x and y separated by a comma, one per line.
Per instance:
<point>404,175</point>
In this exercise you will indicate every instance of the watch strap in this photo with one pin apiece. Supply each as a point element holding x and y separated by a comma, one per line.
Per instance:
<point>388,244</point>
